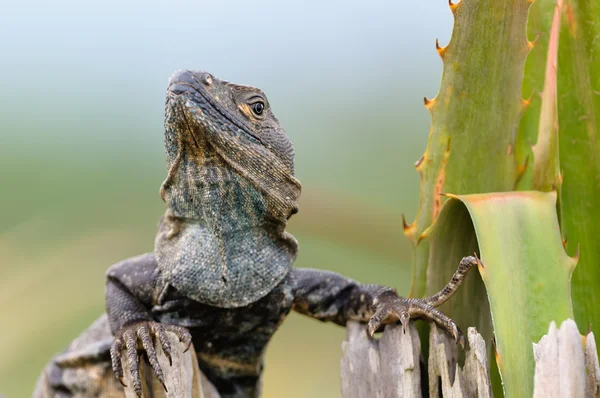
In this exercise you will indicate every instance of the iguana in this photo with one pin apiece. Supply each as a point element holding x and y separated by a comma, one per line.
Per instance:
<point>221,275</point>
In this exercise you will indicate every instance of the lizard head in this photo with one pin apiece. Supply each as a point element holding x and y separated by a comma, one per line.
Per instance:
<point>212,124</point>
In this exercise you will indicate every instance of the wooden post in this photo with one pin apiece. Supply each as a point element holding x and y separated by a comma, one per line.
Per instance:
<point>473,380</point>
<point>566,364</point>
<point>183,378</point>
<point>388,367</point>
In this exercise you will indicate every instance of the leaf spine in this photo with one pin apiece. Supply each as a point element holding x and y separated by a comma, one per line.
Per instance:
<point>441,50</point>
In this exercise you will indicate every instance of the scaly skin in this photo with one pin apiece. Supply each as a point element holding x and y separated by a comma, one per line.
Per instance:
<point>221,275</point>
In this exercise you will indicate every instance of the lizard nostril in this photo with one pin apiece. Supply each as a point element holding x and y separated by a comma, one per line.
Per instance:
<point>207,79</point>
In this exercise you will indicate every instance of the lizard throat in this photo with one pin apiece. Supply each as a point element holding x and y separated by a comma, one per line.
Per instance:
<point>220,176</point>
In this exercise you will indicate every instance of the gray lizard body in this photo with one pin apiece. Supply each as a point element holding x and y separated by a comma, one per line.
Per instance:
<point>221,275</point>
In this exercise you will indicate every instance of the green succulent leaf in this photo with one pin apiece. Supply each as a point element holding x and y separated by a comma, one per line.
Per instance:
<point>525,270</point>
<point>578,121</point>
<point>485,138</point>
<point>576,175</point>
<point>471,148</point>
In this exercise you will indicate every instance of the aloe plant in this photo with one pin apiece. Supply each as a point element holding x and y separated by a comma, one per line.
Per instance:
<point>520,174</point>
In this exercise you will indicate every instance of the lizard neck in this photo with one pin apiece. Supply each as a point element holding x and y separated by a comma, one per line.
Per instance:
<point>203,186</point>
<point>222,242</point>
<point>220,200</point>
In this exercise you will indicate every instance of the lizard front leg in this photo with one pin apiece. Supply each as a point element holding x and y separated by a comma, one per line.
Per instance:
<point>331,297</point>
<point>129,289</point>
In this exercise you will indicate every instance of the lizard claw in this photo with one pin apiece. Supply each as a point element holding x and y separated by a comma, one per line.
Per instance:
<point>127,338</point>
<point>389,308</point>
<point>404,319</point>
<point>421,309</point>
<point>459,337</point>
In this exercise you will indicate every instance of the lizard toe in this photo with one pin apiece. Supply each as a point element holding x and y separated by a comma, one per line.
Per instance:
<point>377,320</point>
<point>128,337</point>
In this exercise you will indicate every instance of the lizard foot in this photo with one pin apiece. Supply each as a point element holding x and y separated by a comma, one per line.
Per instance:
<point>127,338</point>
<point>389,308</point>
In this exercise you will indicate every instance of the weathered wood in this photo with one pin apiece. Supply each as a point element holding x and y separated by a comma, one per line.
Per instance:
<point>566,364</point>
<point>476,372</point>
<point>591,365</point>
<point>389,367</point>
<point>560,363</point>
<point>443,355</point>
<point>473,380</point>
<point>399,355</point>
<point>183,378</point>
<point>383,368</point>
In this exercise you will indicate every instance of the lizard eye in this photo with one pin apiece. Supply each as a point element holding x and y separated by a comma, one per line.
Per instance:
<point>258,108</point>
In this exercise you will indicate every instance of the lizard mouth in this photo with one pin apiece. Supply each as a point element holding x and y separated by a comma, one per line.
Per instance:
<point>187,83</point>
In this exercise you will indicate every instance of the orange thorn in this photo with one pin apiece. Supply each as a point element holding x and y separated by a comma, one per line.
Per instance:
<point>441,50</point>
<point>531,44</point>
<point>453,6</point>
<point>428,103</point>
<point>564,241</point>
<point>407,228</point>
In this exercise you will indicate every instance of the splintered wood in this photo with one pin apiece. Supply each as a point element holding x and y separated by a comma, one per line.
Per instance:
<point>566,364</point>
<point>183,378</point>
<point>388,367</point>
<point>473,380</point>
<point>391,367</point>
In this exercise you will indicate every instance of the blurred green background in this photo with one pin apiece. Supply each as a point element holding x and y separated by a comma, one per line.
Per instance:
<point>81,151</point>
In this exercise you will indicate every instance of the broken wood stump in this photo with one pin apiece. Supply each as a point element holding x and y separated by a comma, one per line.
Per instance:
<point>391,366</point>
<point>472,380</point>
<point>388,367</point>
<point>566,364</point>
